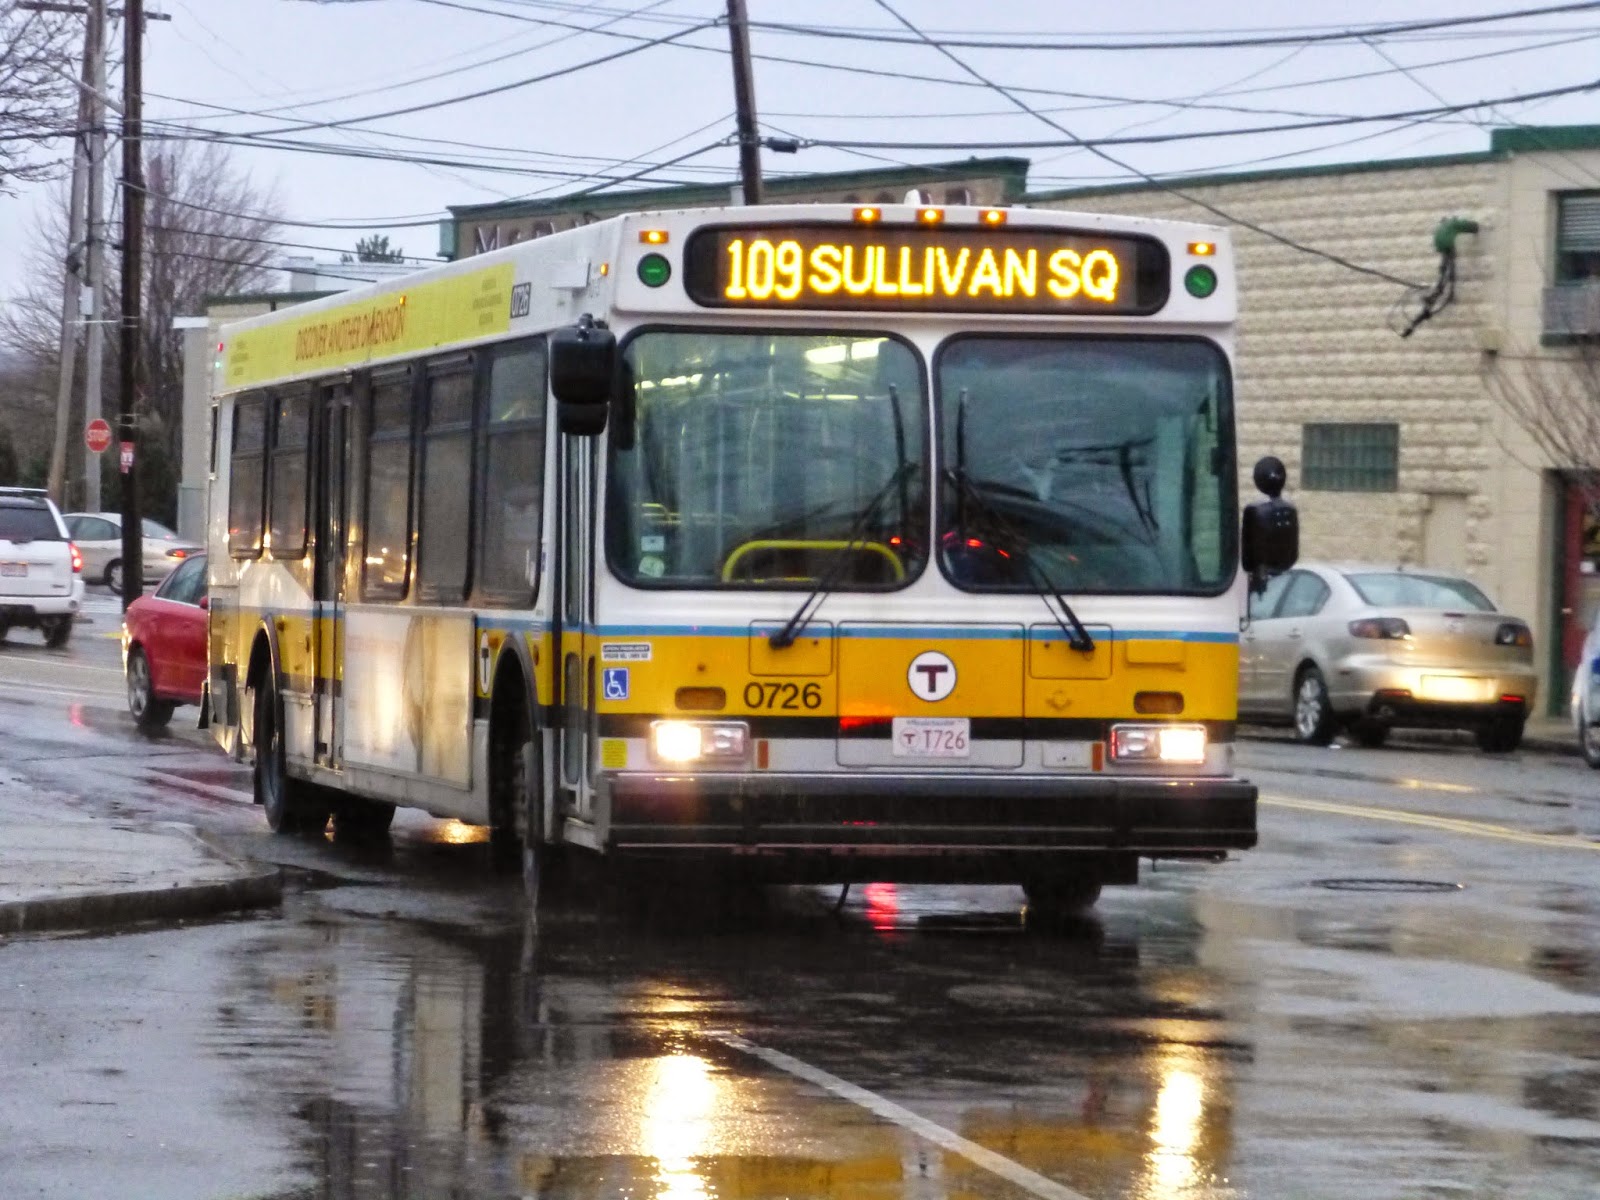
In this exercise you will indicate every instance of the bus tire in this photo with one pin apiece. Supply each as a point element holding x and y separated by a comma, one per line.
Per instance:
<point>516,834</point>
<point>291,805</point>
<point>359,820</point>
<point>1059,901</point>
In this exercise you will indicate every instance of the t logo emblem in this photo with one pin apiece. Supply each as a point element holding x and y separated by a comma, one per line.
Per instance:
<point>931,676</point>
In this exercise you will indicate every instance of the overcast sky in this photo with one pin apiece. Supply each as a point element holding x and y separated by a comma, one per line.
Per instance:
<point>287,63</point>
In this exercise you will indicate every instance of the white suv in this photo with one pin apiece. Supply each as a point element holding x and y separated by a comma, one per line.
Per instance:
<point>41,571</point>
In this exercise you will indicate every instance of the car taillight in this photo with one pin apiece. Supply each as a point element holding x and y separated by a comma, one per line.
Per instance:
<point>1513,634</point>
<point>77,559</point>
<point>1380,627</point>
<point>177,554</point>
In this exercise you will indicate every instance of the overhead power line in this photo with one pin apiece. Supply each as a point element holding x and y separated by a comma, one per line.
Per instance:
<point>1224,43</point>
<point>665,39</point>
<point>1280,238</point>
<point>1146,139</point>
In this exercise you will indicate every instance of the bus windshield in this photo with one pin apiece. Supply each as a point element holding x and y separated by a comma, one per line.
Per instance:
<point>777,460</point>
<point>1086,464</point>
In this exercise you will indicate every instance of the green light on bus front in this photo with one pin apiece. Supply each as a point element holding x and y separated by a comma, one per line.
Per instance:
<point>654,270</point>
<point>1200,281</point>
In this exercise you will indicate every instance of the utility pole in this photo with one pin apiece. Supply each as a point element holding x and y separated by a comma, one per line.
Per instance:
<point>744,98</point>
<point>71,285</point>
<point>132,297</point>
<point>96,236</point>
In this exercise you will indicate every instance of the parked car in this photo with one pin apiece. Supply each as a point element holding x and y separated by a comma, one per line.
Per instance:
<point>164,645</point>
<point>41,571</point>
<point>99,537</point>
<point>1369,648</point>
<point>1585,700</point>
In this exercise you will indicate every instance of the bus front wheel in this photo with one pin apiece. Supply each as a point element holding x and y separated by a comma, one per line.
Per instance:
<point>1059,901</point>
<point>291,805</point>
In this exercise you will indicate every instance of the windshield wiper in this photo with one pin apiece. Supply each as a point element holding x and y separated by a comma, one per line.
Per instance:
<point>829,579</point>
<point>1077,635</point>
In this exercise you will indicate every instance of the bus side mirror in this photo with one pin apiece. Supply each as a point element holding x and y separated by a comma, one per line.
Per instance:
<point>1269,541</point>
<point>583,363</point>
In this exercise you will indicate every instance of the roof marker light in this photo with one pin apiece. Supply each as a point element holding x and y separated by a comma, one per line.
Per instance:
<point>868,214</point>
<point>653,237</point>
<point>993,216</point>
<point>930,216</point>
<point>1202,249</point>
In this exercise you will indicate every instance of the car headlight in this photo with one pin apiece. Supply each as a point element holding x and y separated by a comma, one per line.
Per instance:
<point>1158,743</point>
<point>691,741</point>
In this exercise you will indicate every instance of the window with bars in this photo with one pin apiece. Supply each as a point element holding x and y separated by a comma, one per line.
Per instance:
<point>1577,238</point>
<point>1349,457</point>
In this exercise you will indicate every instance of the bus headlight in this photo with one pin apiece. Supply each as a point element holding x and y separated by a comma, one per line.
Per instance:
<point>691,741</point>
<point>1158,743</point>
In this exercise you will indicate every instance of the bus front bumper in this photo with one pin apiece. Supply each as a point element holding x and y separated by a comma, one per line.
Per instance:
<point>910,816</point>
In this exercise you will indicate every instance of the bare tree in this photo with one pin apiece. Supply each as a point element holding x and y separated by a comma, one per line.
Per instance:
<point>209,231</point>
<point>38,101</point>
<point>1555,396</point>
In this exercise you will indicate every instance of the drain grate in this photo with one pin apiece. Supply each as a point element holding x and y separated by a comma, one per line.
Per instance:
<point>1387,885</point>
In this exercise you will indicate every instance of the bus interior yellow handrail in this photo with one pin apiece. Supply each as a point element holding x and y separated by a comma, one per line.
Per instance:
<point>811,544</point>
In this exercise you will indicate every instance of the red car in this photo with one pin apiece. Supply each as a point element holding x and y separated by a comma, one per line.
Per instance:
<point>164,645</point>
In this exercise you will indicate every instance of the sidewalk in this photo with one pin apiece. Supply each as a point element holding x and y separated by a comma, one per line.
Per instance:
<point>62,870</point>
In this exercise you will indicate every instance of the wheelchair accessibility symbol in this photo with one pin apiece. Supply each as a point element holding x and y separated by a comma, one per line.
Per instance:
<point>614,683</point>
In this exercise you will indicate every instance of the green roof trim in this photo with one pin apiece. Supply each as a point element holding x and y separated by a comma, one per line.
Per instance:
<point>1224,177</point>
<point>1524,139</point>
<point>1012,171</point>
<point>1530,139</point>
<point>275,299</point>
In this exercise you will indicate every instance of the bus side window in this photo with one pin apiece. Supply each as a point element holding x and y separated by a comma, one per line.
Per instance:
<point>445,492</point>
<point>512,469</point>
<point>387,526</point>
<point>291,436</point>
<point>246,476</point>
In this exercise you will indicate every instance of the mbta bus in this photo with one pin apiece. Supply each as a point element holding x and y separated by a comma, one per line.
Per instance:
<point>793,543</point>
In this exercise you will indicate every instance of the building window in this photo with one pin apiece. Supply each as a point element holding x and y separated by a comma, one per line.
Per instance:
<point>1350,458</point>
<point>1578,238</point>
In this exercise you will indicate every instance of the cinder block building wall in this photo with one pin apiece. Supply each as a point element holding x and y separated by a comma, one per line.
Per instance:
<point>1398,449</point>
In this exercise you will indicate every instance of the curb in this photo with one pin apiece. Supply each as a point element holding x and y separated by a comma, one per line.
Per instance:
<point>254,887</point>
<point>1539,743</point>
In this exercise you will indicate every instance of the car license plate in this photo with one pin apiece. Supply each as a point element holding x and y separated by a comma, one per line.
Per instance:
<point>932,737</point>
<point>17,569</point>
<point>1462,688</point>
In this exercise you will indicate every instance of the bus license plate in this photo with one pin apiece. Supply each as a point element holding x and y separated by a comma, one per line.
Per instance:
<point>20,569</point>
<point>932,737</point>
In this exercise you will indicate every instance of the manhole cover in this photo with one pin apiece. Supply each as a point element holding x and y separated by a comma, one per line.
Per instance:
<point>1387,885</point>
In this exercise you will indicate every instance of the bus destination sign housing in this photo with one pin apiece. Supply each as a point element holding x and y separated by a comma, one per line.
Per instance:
<point>932,269</point>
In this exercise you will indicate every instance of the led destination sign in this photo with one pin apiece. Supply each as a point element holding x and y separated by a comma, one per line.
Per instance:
<point>913,268</point>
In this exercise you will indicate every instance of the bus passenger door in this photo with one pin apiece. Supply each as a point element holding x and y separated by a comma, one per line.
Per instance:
<point>333,438</point>
<point>575,554</point>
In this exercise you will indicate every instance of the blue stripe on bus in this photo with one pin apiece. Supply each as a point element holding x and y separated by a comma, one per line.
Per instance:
<point>949,632</point>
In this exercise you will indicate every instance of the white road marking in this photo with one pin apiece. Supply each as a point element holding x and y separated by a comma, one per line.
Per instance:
<point>1483,829</point>
<point>214,791</point>
<point>1012,1172</point>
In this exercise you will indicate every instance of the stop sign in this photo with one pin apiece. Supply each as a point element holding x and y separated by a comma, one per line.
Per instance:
<point>97,435</point>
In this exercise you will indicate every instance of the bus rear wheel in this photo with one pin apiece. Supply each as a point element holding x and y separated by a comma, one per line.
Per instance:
<point>291,805</point>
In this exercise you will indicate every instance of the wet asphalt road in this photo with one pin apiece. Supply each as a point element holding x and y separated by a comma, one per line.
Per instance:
<point>1427,1026</point>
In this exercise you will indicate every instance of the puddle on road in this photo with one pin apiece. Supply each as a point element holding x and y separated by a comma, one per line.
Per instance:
<point>583,1062</point>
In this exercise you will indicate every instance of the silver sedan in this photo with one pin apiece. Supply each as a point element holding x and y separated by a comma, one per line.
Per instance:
<point>1368,648</point>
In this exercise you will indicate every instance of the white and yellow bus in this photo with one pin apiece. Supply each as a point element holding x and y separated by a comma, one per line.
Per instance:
<point>817,543</point>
